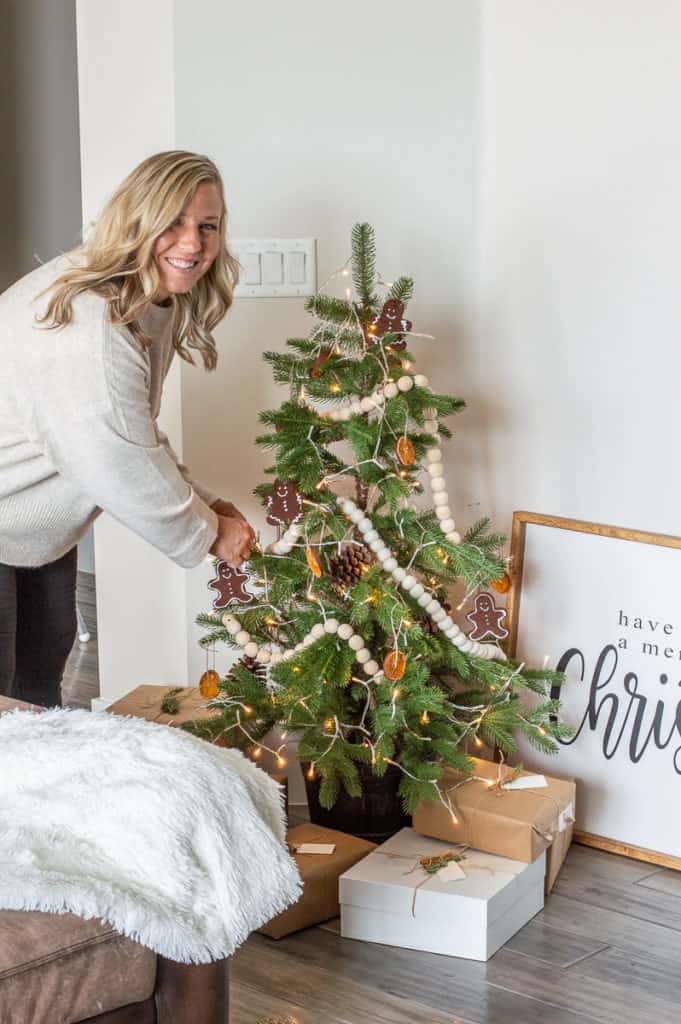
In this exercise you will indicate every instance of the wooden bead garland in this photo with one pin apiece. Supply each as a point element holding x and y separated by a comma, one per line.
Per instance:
<point>273,654</point>
<point>430,605</point>
<point>356,406</point>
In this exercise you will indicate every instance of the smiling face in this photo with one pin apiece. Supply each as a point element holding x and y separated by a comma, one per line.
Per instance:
<point>188,248</point>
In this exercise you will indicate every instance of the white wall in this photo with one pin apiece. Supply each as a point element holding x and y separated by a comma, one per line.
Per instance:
<point>307,146</point>
<point>580,359</point>
<point>125,68</point>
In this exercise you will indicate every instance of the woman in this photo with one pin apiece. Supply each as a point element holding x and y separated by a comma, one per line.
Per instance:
<point>85,344</point>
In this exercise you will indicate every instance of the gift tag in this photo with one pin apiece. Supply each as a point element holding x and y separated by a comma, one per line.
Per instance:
<point>451,872</point>
<point>567,817</point>
<point>527,782</point>
<point>326,848</point>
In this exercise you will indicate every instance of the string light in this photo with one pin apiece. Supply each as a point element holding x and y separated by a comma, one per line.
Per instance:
<point>425,718</point>
<point>310,772</point>
<point>478,742</point>
<point>257,752</point>
<point>335,388</point>
<point>329,725</point>
<point>281,761</point>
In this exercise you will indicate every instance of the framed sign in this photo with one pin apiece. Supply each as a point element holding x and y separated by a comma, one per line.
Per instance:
<point>603,604</point>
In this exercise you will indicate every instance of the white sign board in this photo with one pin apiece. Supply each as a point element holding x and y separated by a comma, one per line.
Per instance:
<point>604,606</point>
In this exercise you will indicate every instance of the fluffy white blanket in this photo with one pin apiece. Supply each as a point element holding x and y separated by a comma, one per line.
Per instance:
<point>177,843</point>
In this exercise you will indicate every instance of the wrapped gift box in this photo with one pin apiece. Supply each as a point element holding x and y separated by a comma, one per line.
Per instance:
<point>320,873</point>
<point>516,823</point>
<point>388,898</point>
<point>145,702</point>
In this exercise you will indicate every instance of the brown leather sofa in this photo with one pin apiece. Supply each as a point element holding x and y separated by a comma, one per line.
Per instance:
<point>62,969</point>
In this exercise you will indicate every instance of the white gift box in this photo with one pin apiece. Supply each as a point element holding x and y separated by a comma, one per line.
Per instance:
<point>389,898</point>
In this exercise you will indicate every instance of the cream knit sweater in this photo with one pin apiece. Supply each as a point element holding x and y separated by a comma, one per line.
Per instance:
<point>78,433</point>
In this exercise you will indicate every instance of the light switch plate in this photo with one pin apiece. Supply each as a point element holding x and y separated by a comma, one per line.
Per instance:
<point>275,267</point>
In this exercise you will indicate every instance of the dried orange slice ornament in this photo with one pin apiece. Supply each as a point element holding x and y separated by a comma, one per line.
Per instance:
<point>502,585</point>
<point>405,451</point>
<point>209,684</point>
<point>394,665</point>
<point>313,561</point>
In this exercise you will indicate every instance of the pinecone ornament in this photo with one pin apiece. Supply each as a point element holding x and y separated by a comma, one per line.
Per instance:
<point>256,667</point>
<point>348,566</point>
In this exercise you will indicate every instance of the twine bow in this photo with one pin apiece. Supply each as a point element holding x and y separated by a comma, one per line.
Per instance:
<point>433,864</point>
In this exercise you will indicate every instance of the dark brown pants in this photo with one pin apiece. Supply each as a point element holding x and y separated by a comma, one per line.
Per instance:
<point>37,628</point>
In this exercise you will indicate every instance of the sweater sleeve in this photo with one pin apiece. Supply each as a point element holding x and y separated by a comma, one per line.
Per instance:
<point>203,492</point>
<point>103,438</point>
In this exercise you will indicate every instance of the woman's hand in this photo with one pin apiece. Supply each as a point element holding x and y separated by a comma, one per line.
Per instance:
<point>226,508</point>
<point>234,540</point>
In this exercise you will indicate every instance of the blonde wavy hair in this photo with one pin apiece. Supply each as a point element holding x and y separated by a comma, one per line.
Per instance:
<point>116,261</point>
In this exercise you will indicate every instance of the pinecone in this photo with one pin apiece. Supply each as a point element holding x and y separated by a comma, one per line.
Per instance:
<point>256,667</point>
<point>428,626</point>
<point>348,566</point>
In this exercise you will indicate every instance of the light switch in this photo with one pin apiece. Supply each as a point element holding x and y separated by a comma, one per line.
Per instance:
<point>250,261</point>
<point>296,267</point>
<point>273,267</point>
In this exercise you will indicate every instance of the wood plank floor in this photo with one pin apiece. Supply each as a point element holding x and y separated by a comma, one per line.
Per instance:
<point>606,948</point>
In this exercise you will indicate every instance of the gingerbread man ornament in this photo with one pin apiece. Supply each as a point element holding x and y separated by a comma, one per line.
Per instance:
<point>285,503</point>
<point>390,321</point>
<point>487,618</point>
<point>230,585</point>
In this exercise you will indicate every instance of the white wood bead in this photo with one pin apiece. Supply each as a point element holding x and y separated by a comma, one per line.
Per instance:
<point>356,642</point>
<point>466,646</point>
<point>345,414</point>
<point>383,553</point>
<point>447,525</point>
<point>317,630</point>
<point>434,455</point>
<point>408,582</point>
<point>418,590</point>
<point>299,647</point>
<point>366,405</point>
<point>231,624</point>
<point>263,656</point>
<point>294,530</point>
<point>276,657</point>
<point>430,413</point>
<point>440,500</point>
<point>440,615</point>
<point>378,398</point>
<point>345,631</point>
<point>362,655</point>
<point>443,512</point>
<point>391,390</point>
<point>371,667</point>
<point>430,426</point>
<point>365,524</point>
<point>434,468</point>
<point>438,482</point>
<point>405,383</point>
<point>355,407</point>
<point>371,535</point>
<point>399,573</point>
<point>421,380</point>
<point>454,537</point>
<point>251,649</point>
<point>356,515</point>
<point>432,606</point>
<point>376,545</point>
<point>390,564</point>
<point>331,626</point>
<point>242,637</point>
<point>424,599</point>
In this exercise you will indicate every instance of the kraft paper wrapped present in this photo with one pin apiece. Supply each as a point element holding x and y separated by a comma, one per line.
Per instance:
<point>320,873</point>
<point>501,811</point>
<point>468,909</point>
<point>145,702</point>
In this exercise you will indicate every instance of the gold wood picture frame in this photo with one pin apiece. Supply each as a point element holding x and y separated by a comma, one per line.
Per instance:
<point>642,626</point>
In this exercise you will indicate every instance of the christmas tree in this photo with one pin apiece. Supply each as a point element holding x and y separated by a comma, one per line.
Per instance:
<point>350,642</point>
